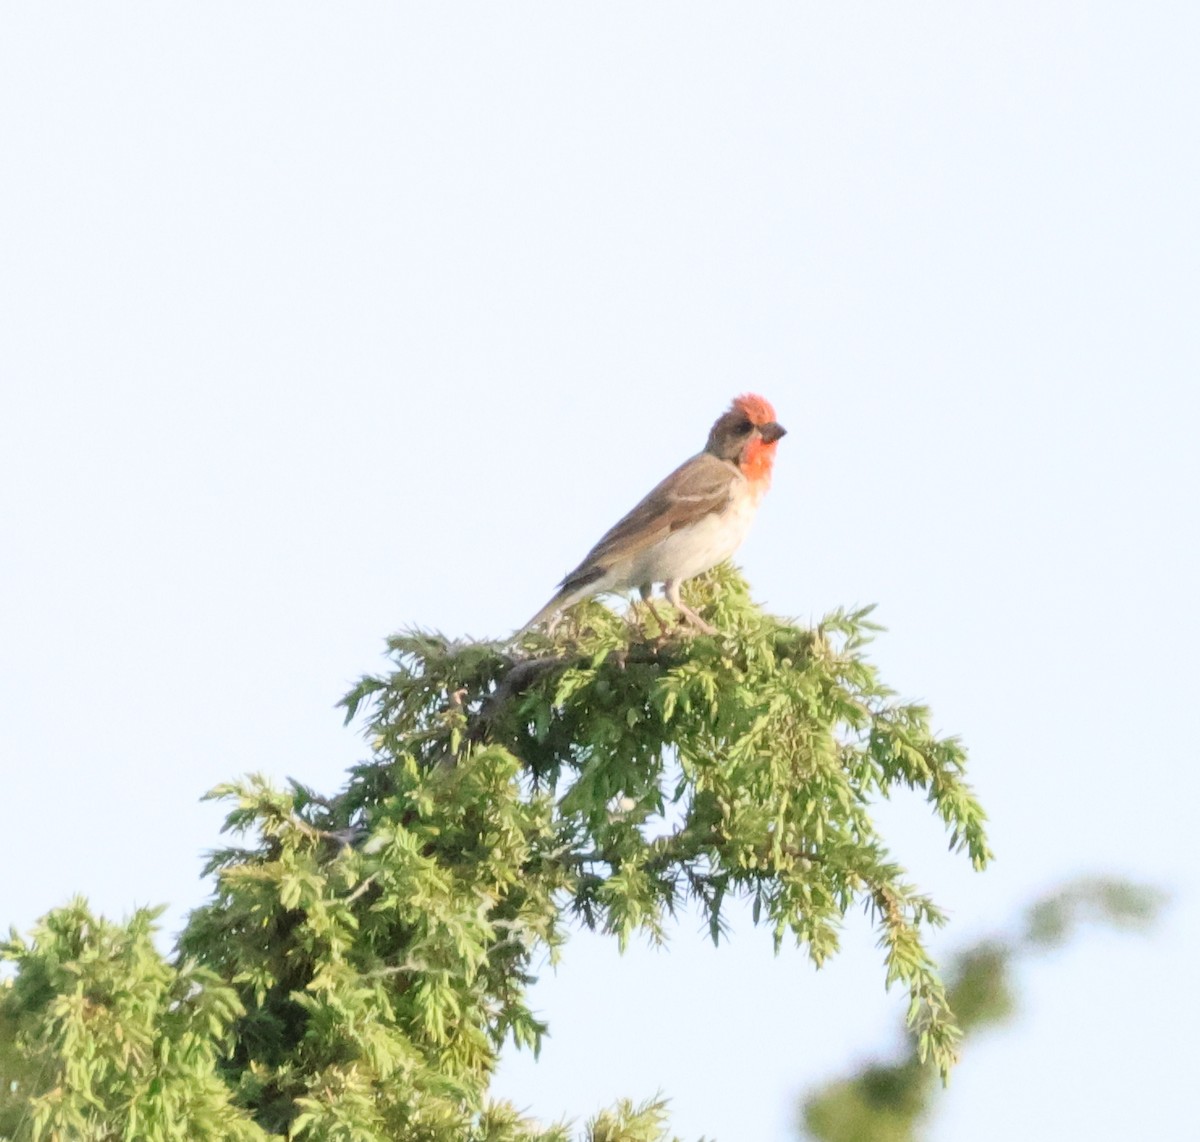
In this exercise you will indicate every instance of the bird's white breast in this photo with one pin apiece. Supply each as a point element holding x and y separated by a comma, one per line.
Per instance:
<point>693,549</point>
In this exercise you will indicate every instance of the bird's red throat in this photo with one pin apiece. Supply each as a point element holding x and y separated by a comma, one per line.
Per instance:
<point>757,461</point>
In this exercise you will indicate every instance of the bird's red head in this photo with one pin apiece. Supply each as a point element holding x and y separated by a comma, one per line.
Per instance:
<point>759,453</point>
<point>758,409</point>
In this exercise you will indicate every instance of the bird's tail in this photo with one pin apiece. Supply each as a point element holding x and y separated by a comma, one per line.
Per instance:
<point>561,600</point>
<point>578,585</point>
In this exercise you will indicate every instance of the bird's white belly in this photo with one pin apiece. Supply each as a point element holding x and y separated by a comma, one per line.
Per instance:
<point>694,549</point>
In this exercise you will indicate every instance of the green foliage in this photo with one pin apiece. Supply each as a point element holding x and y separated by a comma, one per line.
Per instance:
<point>102,1039</point>
<point>1053,921</point>
<point>380,977</point>
<point>365,956</point>
<point>692,769</point>
<point>890,1102</point>
<point>627,1123</point>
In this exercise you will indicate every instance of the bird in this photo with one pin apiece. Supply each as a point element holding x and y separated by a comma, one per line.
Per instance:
<point>694,519</point>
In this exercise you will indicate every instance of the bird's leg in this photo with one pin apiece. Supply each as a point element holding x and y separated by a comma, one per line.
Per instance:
<point>644,590</point>
<point>686,614</point>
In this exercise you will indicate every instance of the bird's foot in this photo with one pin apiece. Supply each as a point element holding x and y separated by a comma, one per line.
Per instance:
<point>688,616</point>
<point>637,625</point>
<point>662,626</point>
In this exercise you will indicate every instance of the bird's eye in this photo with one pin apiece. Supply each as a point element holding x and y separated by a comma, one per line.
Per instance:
<point>744,426</point>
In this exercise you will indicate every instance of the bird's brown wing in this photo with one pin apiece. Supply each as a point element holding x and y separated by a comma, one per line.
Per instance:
<point>698,487</point>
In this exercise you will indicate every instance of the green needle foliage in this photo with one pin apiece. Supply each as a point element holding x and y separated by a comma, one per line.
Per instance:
<point>101,1039</point>
<point>367,954</point>
<point>891,1102</point>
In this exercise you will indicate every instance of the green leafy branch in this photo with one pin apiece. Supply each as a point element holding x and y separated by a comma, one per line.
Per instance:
<point>892,1101</point>
<point>366,954</point>
<point>694,769</point>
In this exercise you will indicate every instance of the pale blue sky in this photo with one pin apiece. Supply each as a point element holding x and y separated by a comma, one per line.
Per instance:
<point>321,320</point>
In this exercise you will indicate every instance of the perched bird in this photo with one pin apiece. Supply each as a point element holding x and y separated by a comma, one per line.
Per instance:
<point>696,518</point>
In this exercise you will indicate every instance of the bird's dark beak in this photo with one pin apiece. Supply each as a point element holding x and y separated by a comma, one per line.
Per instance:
<point>771,431</point>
